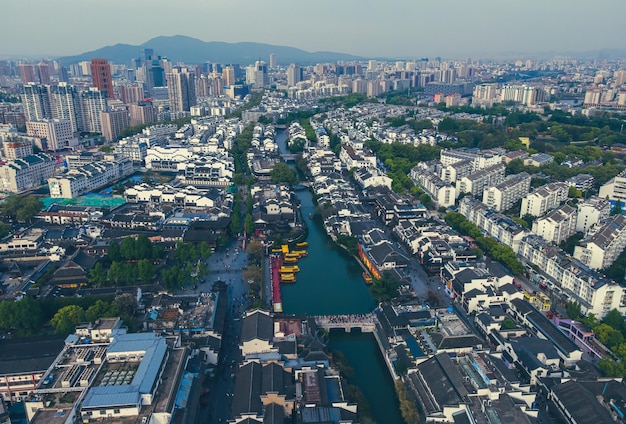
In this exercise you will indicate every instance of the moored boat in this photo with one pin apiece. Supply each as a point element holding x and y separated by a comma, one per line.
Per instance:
<point>368,278</point>
<point>302,244</point>
<point>287,278</point>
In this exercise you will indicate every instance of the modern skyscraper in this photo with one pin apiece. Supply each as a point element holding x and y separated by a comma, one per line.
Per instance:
<point>36,101</point>
<point>113,122</point>
<point>228,75</point>
<point>27,72</point>
<point>101,76</point>
<point>142,113</point>
<point>260,75</point>
<point>273,63</point>
<point>131,93</point>
<point>43,72</point>
<point>92,102</point>
<point>181,90</point>
<point>64,103</point>
<point>294,74</point>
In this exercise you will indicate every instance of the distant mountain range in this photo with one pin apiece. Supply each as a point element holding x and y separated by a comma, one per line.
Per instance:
<point>180,48</point>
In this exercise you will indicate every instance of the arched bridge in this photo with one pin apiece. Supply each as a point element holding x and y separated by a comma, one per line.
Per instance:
<point>365,322</point>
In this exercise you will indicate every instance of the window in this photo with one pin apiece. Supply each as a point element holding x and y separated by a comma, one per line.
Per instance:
<point>116,411</point>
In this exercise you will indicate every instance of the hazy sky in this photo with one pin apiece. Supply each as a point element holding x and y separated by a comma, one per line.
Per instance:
<point>389,28</point>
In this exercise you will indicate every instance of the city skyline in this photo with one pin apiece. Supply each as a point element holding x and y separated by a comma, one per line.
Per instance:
<point>392,29</point>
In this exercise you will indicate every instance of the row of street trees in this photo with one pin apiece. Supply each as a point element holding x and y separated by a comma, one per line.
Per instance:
<point>489,245</point>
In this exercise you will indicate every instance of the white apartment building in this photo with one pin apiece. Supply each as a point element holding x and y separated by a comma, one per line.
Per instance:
<point>480,159</point>
<point>16,149</point>
<point>544,198</point>
<point>89,177</point>
<point>26,173</point>
<point>444,194</point>
<point>498,226</point>
<point>594,292</point>
<point>133,149</point>
<point>476,182</point>
<point>456,171</point>
<point>590,212</point>
<point>504,195</point>
<point>615,188</point>
<point>57,133</point>
<point>557,225</point>
<point>600,249</point>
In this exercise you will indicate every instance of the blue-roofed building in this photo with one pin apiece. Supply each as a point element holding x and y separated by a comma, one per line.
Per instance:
<point>151,352</point>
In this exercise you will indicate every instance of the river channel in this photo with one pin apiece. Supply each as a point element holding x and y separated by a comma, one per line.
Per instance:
<point>330,283</point>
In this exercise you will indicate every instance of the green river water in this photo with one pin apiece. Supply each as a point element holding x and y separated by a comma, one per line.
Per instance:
<point>330,283</point>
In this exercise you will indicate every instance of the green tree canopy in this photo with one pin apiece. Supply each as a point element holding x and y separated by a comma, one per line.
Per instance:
<point>385,288</point>
<point>282,173</point>
<point>21,208</point>
<point>66,319</point>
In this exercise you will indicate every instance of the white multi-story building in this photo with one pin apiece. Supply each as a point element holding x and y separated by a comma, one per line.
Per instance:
<point>92,102</point>
<point>207,171</point>
<point>557,225</point>
<point>26,173</point>
<point>480,159</point>
<point>457,170</point>
<point>594,292</point>
<point>504,195</point>
<point>180,196</point>
<point>58,133</point>
<point>590,212</point>
<point>615,188</point>
<point>476,182</point>
<point>167,158</point>
<point>353,159</point>
<point>444,194</point>
<point>133,149</point>
<point>600,249</point>
<point>16,149</point>
<point>544,198</point>
<point>89,177</point>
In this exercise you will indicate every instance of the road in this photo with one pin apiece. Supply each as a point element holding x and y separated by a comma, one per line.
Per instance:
<point>226,265</point>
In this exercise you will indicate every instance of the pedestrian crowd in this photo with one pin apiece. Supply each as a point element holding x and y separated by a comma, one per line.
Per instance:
<point>338,319</point>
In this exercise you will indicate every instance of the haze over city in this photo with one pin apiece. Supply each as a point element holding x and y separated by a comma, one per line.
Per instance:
<point>391,29</point>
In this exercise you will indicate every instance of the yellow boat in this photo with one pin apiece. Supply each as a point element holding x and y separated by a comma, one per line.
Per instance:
<point>300,253</point>
<point>287,278</point>
<point>285,248</point>
<point>294,268</point>
<point>302,244</point>
<point>290,260</point>
<point>279,250</point>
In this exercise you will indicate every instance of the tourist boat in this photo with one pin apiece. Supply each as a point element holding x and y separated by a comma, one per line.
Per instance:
<point>291,256</point>
<point>291,260</point>
<point>279,250</point>
<point>368,278</point>
<point>300,253</point>
<point>302,244</point>
<point>287,278</point>
<point>294,268</point>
